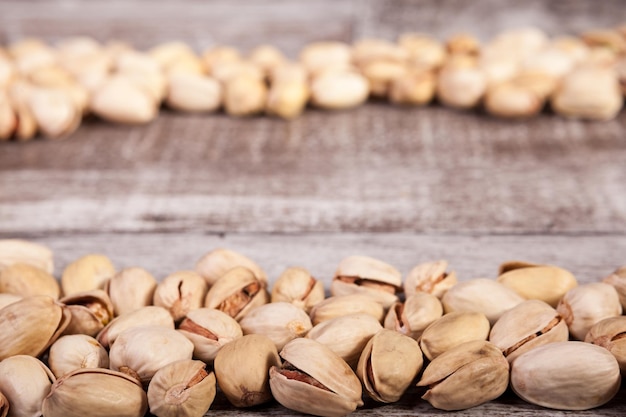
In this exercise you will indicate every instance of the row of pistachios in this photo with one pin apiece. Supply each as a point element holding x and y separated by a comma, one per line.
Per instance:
<point>106,342</point>
<point>49,89</point>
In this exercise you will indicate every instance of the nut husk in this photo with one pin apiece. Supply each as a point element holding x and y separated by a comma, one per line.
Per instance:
<point>87,273</point>
<point>209,329</point>
<point>336,90</point>
<point>280,321</point>
<point>4,405</point>
<point>180,293</point>
<point>28,280</point>
<point>76,351</point>
<point>25,381</point>
<point>452,330</point>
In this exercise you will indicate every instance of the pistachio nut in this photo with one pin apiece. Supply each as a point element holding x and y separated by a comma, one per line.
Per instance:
<point>346,335</point>
<point>541,84</point>
<point>367,50</point>
<point>319,56</point>
<point>461,87</point>
<point>389,363</point>
<point>120,99</point>
<point>413,315</point>
<point>341,305</point>
<point>620,68</point>
<point>618,280</point>
<point>30,325</point>
<point>237,292</point>
<point>90,311</point>
<point>550,60</point>
<point>424,51</point>
<point>299,287</point>
<point>336,90</point>
<point>538,282</point>
<point>87,273</point>
<point>529,324</point>
<point>287,99</point>
<point>27,280</point>
<point>166,54</point>
<point>611,334</point>
<point>130,289</point>
<point>214,264</point>
<point>225,72</point>
<point>181,389</point>
<point>381,74</point>
<point>463,44</point>
<point>465,376</point>
<point>209,329</point>
<point>193,93</point>
<point>481,294</point>
<point>242,369</point>
<point>605,38</point>
<point>510,100</point>
<point>244,95</point>
<point>519,43</point>
<point>55,111</point>
<point>25,381</point>
<point>451,330</point>
<point>367,276</point>
<point>180,293</point>
<point>414,88</point>
<point>145,316</point>
<point>585,305</point>
<point>8,117</point>
<point>279,321</point>
<point>430,277</point>
<point>217,55</point>
<point>566,376</point>
<point>4,405</point>
<point>76,351</point>
<point>267,57</point>
<point>95,393</point>
<point>6,299</point>
<point>573,46</point>
<point>130,60</point>
<point>289,72</point>
<point>21,251</point>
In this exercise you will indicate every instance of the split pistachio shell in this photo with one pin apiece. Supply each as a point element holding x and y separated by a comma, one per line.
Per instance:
<point>430,277</point>
<point>218,55</point>
<point>213,265</point>
<point>145,316</point>
<point>539,282</point>
<point>90,311</point>
<point>242,369</point>
<point>193,93</point>
<point>237,292</point>
<point>611,334</point>
<point>566,376</point>
<point>95,393</point>
<point>130,289</point>
<point>25,381</point>
<point>414,315</point>
<point>87,273</point>
<point>297,286</point>
<point>314,380</point>
<point>389,363</point>
<point>27,280</point>
<point>180,293</point>
<point>341,305</point>
<point>181,389</point>
<point>468,375</point>
<point>618,280</point>
<point>335,90</point>
<point>452,330</point>
<point>463,43</point>
<point>21,251</point>
<point>279,321</point>
<point>167,53</point>
<point>209,329</point>
<point>76,351</point>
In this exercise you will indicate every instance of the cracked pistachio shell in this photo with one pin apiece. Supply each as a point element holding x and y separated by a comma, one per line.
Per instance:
<point>529,324</point>
<point>611,334</point>
<point>76,351</point>
<point>130,289</point>
<point>430,277</point>
<point>4,405</point>
<point>181,389</point>
<point>483,295</point>
<point>566,376</point>
<point>388,365</point>
<point>465,376</point>
<point>213,265</point>
<point>314,380</point>
<point>279,321</point>
<point>145,316</point>
<point>298,287</point>
<point>618,280</point>
<point>451,330</point>
<point>341,305</point>
<point>95,393</point>
<point>21,251</point>
<point>585,305</point>
<point>25,381</point>
<point>90,310</point>
<point>28,280</point>
<point>180,293</point>
<point>237,292</point>
<point>538,282</point>
<point>346,335</point>
<point>242,369</point>
<point>30,325</point>
<point>209,329</point>
<point>413,316</point>
<point>87,273</point>
<point>143,350</point>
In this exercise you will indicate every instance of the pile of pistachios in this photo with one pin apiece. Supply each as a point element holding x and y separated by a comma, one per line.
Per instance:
<point>49,89</point>
<point>107,342</point>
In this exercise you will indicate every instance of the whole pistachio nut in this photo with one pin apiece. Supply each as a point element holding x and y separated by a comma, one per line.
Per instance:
<point>530,324</point>
<point>120,99</point>
<point>30,325</point>
<point>6,299</point>
<point>237,292</point>
<point>299,287</point>
<point>76,351</point>
<point>214,264</point>
<point>414,88</point>
<point>611,334</point>
<point>209,329</point>
<point>452,330</point>
<point>145,316</point>
<point>341,305</point>
<point>90,310</point>
<point>279,321</point>
<point>618,280</point>
<point>153,84</point>
<point>314,380</point>
<point>509,100</point>
<point>585,305</point>
<point>244,96</point>
<point>180,293</point>
<point>4,405</point>
<point>468,375</point>
<point>25,381</point>
<point>287,99</point>
<point>242,369</point>
<point>430,277</point>
<point>336,90</point>
<point>389,363</point>
<point>21,251</point>
<point>538,282</point>
<point>424,51</point>
<point>95,393</point>
<point>461,87</point>
<point>87,273</point>
<point>319,56</point>
<point>182,389</point>
<point>413,315</point>
<point>27,280</point>
<point>193,93</point>
<point>130,289</point>
<point>566,376</point>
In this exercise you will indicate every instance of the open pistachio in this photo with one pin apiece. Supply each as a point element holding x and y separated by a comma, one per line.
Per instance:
<point>279,321</point>
<point>55,111</point>
<point>87,273</point>
<point>216,55</point>
<point>209,329</point>
<point>538,282</point>
<point>414,315</point>
<point>237,292</point>
<point>430,277</point>
<point>21,251</point>
<point>25,381</point>
<point>367,50</point>
<point>341,305</point>
<point>145,316</point>
<point>180,293</point>
<point>181,389</point>
<point>611,334</point>
<point>95,393</point>
<point>463,44</point>
<point>130,289</point>
<point>618,280</point>
<point>27,280</point>
<point>214,264</point>
<point>466,376</point>
<point>242,369</point>
<point>452,330</point>
<point>76,351</point>
<point>314,380</point>
<point>297,286</point>
<point>336,90</point>
<point>90,311</point>
<point>389,363</point>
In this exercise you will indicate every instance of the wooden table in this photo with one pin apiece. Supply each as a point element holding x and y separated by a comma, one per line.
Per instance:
<point>400,184</point>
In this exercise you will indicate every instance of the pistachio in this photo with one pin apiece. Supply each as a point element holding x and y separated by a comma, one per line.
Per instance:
<point>585,305</point>
<point>509,100</point>
<point>414,315</point>
<point>214,264</point>
<point>414,87</point>
<point>287,99</point>
<point>21,251</point>
<point>620,68</point>
<point>618,280</point>
<point>130,289</point>
<point>381,74</point>
<point>463,44</point>
<point>242,369</point>
<point>566,376</point>
<point>341,305</point>
<point>267,57</point>
<point>368,50</point>
<point>465,376</point>
<point>90,311</point>
<point>31,54</point>
<point>319,56</point>
<point>217,55</point>
<point>119,99</point>
<point>6,299</point>
<point>551,61</point>
<point>605,38</point>
<point>244,96</point>
<point>115,394</point>
<point>297,286</point>
<point>389,363</point>
<point>424,51</point>
<point>193,93</point>
<point>168,53</point>
<point>538,282</point>
<point>76,351</point>
<point>611,334</point>
<point>54,111</point>
<point>209,329</point>
<point>145,316</point>
<point>87,273</point>
<point>8,118</point>
<point>224,72</point>
<point>237,292</point>
<point>461,87</point>
<point>540,83</point>
<point>498,66</point>
<point>27,280</point>
<point>574,47</point>
<point>289,72</point>
<point>337,90</point>
<point>519,42</point>
<point>4,405</point>
<point>451,330</point>
<point>180,293</point>
<point>430,277</point>
<point>279,321</point>
<point>25,381</point>
<point>181,389</point>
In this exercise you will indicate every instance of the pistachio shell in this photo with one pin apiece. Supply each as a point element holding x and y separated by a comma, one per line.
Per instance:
<point>87,273</point>
<point>180,293</point>
<point>335,90</point>
<point>76,351</point>
<point>21,251</point>
<point>25,381</point>
<point>317,56</point>
<point>611,334</point>
<point>6,299</point>
<point>452,330</point>
<point>145,316</point>
<point>297,286</point>
<point>539,282</point>
<point>341,305</point>
<point>4,405</point>
<point>209,329</point>
<point>414,315</point>
<point>237,292</point>
<point>27,280</point>
<point>618,280</point>
<point>279,321</point>
<point>90,310</point>
<point>130,289</point>
<point>430,277</point>
<point>213,265</point>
